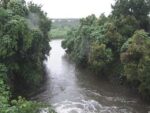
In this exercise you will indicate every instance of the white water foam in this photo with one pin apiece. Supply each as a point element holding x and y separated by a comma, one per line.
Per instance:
<point>86,106</point>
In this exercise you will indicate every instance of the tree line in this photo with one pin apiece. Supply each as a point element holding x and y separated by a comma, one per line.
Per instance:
<point>23,44</point>
<point>117,45</point>
<point>60,27</point>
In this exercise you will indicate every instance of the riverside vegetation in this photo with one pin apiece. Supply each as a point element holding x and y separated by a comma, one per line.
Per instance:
<point>60,27</point>
<point>117,45</point>
<point>23,44</point>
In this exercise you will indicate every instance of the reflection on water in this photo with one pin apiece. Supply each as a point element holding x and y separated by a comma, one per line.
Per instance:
<point>73,90</point>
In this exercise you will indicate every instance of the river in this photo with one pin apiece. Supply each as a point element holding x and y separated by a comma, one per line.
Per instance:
<point>72,90</point>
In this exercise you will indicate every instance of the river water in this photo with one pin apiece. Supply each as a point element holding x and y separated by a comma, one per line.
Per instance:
<point>72,90</point>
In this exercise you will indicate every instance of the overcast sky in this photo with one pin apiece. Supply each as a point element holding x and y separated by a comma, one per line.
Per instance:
<point>74,8</point>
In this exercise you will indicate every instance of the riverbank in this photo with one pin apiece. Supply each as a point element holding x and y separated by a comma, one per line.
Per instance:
<point>72,89</point>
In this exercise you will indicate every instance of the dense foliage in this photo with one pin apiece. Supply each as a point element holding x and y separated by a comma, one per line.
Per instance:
<point>60,27</point>
<point>23,44</point>
<point>58,32</point>
<point>115,45</point>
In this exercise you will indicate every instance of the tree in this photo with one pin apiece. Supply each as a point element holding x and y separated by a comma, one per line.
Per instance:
<point>136,60</point>
<point>18,7</point>
<point>4,3</point>
<point>100,57</point>
<point>140,9</point>
<point>22,51</point>
<point>117,45</point>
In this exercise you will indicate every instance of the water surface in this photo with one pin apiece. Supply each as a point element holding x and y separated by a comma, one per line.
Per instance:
<point>73,90</point>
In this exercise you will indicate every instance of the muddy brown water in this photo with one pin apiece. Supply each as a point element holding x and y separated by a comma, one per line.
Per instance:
<point>72,90</point>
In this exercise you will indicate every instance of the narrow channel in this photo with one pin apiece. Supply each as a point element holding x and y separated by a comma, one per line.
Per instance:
<point>73,90</point>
